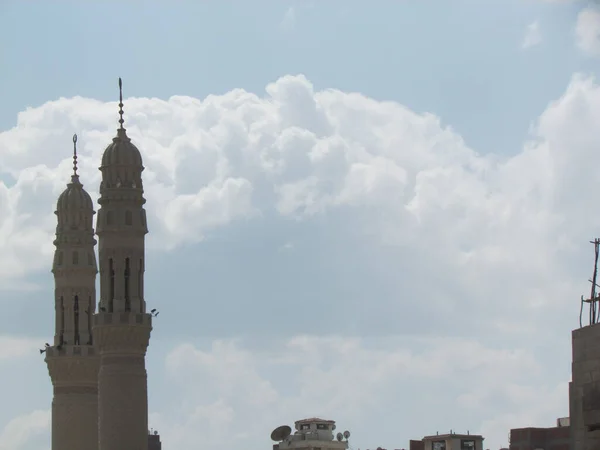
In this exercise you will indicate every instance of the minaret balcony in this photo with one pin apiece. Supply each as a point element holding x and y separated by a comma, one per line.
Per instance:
<point>122,333</point>
<point>123,318</point>
<point>70,350</point>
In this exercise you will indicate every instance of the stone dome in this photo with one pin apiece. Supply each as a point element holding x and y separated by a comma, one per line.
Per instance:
<point>74,198</point>
<point>121,152</point>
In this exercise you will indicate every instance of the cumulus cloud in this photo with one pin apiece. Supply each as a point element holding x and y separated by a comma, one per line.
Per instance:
<point>26,432</point>
<point>230,392</point>
<point>494,227</point>
<point>289,19</point>
<point>349,379</point>
<point>533,35</point>
<point>587,31</point>
<point>13,347</point>
<point>421,234</point>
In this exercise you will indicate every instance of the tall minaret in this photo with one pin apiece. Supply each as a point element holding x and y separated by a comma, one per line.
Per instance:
<point>122,326</point>
<point>72,361</point>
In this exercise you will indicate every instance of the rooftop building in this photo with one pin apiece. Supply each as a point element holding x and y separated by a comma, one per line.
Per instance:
<point>552,438</point>
<point>453,441</point>
<point>310,434</point>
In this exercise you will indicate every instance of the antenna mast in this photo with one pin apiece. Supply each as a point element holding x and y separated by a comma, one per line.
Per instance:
<point>593,301</point>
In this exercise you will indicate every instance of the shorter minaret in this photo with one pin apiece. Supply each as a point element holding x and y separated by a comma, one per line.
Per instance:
<point>72,360</point>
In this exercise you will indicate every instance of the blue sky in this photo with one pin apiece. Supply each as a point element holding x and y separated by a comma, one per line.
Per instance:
<point>370,257</point>
<point>461,60</point>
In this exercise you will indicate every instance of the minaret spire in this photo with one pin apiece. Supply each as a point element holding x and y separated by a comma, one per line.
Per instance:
<point>74,158</point>
<point>121,121</point>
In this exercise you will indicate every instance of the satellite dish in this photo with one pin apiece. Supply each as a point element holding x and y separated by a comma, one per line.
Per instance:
<point>346,434</point>
<point>340,436</point>
<point>280,433</point>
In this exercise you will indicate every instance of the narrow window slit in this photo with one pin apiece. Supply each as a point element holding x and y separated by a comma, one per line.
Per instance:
<point>111,300</point>
<point>127,276</point>
<point>141,285</point>
<point>61,337</point>
<point>89,321</point>
<point>76,319</point>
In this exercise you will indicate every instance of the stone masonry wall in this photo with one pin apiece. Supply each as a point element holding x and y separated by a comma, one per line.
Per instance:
<point>584,404</point>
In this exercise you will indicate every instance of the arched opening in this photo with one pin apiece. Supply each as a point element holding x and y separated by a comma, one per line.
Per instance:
<point>89,321</point>
<point>128,218</point>
<point>75,257</point>
<point>127,275</point>
<point>111,291</point>
<point>61,335</point>
<point>140,281</point>
<point>76,320</point>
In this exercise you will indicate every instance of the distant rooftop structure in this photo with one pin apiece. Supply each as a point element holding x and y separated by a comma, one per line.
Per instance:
<point>154,440</point>
<point>315,420</point>
<point>453,441</point>
<point>311,434</point>
<point>563,422</point>
<point>558,437</point>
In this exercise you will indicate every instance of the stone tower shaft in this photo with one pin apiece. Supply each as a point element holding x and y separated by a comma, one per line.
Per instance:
<point>72,360</point>
<point>122,327</point>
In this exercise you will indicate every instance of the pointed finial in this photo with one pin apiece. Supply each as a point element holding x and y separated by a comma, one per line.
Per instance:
<point>121,102</point>
<point>75,155</point>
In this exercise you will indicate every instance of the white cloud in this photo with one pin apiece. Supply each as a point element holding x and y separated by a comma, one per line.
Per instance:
<point>533,35</point>
<point>587,31</point>
<point>231,398</point>
<point>211,206</point>
<point>289,19</point>
<point>12,347</point>
<point>296,153</point>
<point>287,247</point>
<point>229,392</point>
<point>495,245</point>
<point>26,432</point>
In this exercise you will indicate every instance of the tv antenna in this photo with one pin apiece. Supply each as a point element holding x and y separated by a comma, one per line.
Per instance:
<point>592,301</point>
<point>280,433</point>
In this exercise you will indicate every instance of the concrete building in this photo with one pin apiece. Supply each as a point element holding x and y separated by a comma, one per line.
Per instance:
<point>453,441</point>
<point>154,441</point>
<point>97,360</point>
<point>416,445</point>
<point>581,430</point>
<point>310,434</point>
<point>584,388</point>
<point>583,424</point>
<point>553,438</point>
